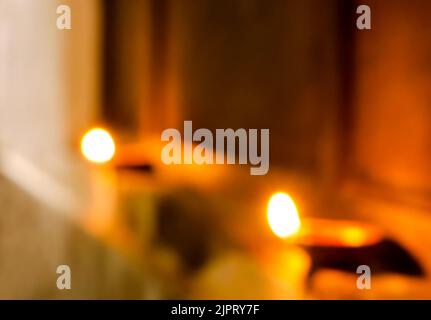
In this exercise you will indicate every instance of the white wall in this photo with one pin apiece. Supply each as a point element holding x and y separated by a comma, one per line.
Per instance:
<point>49,94</point>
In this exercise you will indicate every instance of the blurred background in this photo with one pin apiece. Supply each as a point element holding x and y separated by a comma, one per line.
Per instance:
<point>350,139</point>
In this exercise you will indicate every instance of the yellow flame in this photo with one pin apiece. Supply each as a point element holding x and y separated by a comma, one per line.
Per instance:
<point>354,236</point>
<point>283,217</point>
<point>98,146</point>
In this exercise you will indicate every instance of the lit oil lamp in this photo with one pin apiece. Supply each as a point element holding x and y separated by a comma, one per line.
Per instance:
<point>338,244</point>
<point>98,146</point>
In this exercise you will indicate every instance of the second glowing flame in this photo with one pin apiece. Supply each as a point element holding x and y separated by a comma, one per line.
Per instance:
<point>283,217</point>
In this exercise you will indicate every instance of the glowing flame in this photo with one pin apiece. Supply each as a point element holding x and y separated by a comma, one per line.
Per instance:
<point>355,236</point>
<point>283,216</point>
<point>98,146</point>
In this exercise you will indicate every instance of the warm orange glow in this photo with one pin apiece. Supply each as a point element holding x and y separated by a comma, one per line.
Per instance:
<point>282,214</point>
<point>354,236</point>
<point>340,233</point>
<point>98,146</point>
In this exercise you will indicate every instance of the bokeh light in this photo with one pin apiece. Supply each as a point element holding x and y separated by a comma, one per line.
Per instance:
<point>98,146</point>
<point>283,217</point>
